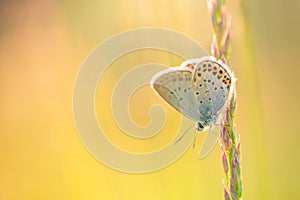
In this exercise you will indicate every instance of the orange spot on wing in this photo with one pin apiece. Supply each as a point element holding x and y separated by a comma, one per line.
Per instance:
<point>191,65</point>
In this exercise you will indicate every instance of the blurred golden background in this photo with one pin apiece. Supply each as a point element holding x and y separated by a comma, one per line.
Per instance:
<point>43,44</point>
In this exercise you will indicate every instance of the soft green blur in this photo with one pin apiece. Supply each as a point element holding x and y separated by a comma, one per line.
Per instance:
<point>43,44</point>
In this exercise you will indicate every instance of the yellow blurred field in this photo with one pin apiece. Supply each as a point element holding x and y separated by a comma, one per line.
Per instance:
<point>44,43</point>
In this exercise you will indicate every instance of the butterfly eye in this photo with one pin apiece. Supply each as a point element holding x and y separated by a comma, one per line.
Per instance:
<point>197,93</point>
<point>200,126</point>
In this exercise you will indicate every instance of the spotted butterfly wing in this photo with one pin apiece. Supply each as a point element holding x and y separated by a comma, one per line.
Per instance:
<point>213,82</point>
<point>174,86</point>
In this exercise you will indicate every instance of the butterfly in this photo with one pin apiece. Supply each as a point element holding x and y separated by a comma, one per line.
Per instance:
<point>199,89</point>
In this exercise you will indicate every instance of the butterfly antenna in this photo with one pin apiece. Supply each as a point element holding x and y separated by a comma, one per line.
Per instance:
<point>183,134</point>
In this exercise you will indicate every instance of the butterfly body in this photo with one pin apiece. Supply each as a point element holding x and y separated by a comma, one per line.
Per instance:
<point>198,88</point>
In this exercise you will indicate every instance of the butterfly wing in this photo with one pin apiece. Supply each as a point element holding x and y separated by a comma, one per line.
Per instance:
<point>213,80</point>
<point>174,86</point>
